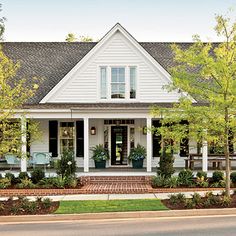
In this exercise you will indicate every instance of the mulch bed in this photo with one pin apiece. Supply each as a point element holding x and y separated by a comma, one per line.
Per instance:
<point>15,207</point>
<point>181,206</point>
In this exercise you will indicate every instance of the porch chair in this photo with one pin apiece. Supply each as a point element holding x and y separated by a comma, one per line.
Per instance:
<point>12,160</point>
<point>41,158</point>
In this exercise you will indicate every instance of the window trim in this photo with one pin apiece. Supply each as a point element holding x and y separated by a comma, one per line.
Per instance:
<point>127,83</point>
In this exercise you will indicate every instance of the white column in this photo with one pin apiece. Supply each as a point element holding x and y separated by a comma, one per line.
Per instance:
<point>86,145</point>
<point>149,145</point>
<point>204,155</point>
<point>23,163</point>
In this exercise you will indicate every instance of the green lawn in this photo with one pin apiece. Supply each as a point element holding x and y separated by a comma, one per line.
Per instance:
<point>70,207</point>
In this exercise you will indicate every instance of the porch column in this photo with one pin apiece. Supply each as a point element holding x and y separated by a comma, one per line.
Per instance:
<point>23,161</point>
<point>149,145</point>
<point>204,155</point>
<point>86,144</point>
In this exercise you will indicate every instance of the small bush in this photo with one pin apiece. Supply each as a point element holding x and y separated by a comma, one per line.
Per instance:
<point>181,197</point>
<point>197,199</point>
<point>201,182</point>
<point>171,182</point>
<point>217,176</point>
<point>185,178</point>
<point>15,209</point>
<point>23,175</point>
<point>233,177</point>
<point>214,200</point>
<point>173,199</point>
<point>71,182</point>
<point>46,203</point>
<point>158,181</point>
<point>59,182</point>
<point>11,177</point>
<point>166,163</point>
<point>26,183</point>
<point>2,207</point>
<point>226,201</point>
<point>66,166</point>
<point>190,204</point>
<point>4,183</point>
<point>37,174</point>
<point>207,203</point>
<point>201,174</point>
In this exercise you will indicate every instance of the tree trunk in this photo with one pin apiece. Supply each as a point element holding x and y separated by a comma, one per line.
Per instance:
<point>226,151</point>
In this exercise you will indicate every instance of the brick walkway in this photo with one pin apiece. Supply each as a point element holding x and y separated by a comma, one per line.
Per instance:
<point>115,184</point>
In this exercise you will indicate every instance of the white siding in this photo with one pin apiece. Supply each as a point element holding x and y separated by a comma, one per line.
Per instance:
<point>83,86</point>
<point>41,145</point>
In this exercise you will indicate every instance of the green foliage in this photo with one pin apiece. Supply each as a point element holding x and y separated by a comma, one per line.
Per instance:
<point>66,166</point>
<point>197,199</point>
<point>137,153</point>
<point>171,182</point>
<point>206,72</point>
<point>202,182</point>
<point>226,201</point>
<point>201,174</point>
<point>11,177</point>
<point>166,163</point>
<point>217,176</point>
<point>25,183</point>
<point>185,178</point>
<point>4,183</point>
<point>190,204</point>
<point>158,181</point>
<point>233,177</point>
<point>23,175</point>
<point>37,174</point>
<point>46,203</point>
<point>71,38</point>
<point>99,153</point>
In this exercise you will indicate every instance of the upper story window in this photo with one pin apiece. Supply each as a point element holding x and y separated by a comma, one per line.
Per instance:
<point>118,82</point>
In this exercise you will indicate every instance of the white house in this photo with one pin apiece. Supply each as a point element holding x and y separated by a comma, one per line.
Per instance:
<point>98,93</point>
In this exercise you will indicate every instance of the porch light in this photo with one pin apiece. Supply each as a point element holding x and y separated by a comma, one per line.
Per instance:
<point>93,131</point>
<point>144,130</point>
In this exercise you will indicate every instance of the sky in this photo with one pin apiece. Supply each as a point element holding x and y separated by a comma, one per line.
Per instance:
<point>146,20</point>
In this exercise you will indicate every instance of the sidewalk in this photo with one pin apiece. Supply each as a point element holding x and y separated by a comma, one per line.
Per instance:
<point>113,196</point>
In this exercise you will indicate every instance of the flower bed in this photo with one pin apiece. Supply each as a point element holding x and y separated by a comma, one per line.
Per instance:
<point>22,206</point>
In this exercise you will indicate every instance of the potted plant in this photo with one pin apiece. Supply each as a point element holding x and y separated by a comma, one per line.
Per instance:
<point>100,156</point>
<point>137,155</point>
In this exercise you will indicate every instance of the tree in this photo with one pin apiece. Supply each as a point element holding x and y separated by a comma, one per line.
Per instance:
<point>71,38</point>
<point>204,72</point>
<point>2,24</point>
<point>13,94</point>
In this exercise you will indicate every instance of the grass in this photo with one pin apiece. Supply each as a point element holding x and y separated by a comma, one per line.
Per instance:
<point>72,207</point>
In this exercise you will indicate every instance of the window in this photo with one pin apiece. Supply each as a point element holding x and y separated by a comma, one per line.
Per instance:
<point>103,83</point>
<point>118,82</point>
<point>132,81</point>
<point>66,136</point>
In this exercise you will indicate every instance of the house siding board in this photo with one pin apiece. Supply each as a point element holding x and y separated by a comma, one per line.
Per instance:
<point>83,86</point>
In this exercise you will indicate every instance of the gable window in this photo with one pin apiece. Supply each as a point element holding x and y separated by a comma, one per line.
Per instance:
<point>103,84</point>
<point>118,82</point>
<point>132,81</point>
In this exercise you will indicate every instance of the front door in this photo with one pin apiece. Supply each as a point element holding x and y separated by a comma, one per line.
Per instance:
<point>119,145</point>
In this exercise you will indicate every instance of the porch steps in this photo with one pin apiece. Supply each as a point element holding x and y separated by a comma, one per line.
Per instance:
<point>115,184</point>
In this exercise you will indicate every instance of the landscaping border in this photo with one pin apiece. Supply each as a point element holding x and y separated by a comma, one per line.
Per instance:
<point>53,192</point>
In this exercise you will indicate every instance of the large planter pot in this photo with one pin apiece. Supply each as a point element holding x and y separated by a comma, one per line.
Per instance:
<point>137,164</point>
<point>100,164</point>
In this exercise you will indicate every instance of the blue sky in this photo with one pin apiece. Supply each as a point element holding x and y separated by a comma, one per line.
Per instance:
<point>146,20</point>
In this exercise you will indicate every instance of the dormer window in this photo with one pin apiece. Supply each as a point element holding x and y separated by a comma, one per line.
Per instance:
<point>118,82</point>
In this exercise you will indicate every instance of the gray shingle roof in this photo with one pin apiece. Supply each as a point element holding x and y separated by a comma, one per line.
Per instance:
<point>53,60</point>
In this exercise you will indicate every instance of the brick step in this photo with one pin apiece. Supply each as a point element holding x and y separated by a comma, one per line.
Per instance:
<point>121,188</point>
<point>115,179</point>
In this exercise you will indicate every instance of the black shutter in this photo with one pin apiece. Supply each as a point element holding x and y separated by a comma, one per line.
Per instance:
<point>184,144</point>
<point>156,140</point>
<point>27,139</point>
<point>53,137</point>
<point>80,138</point>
